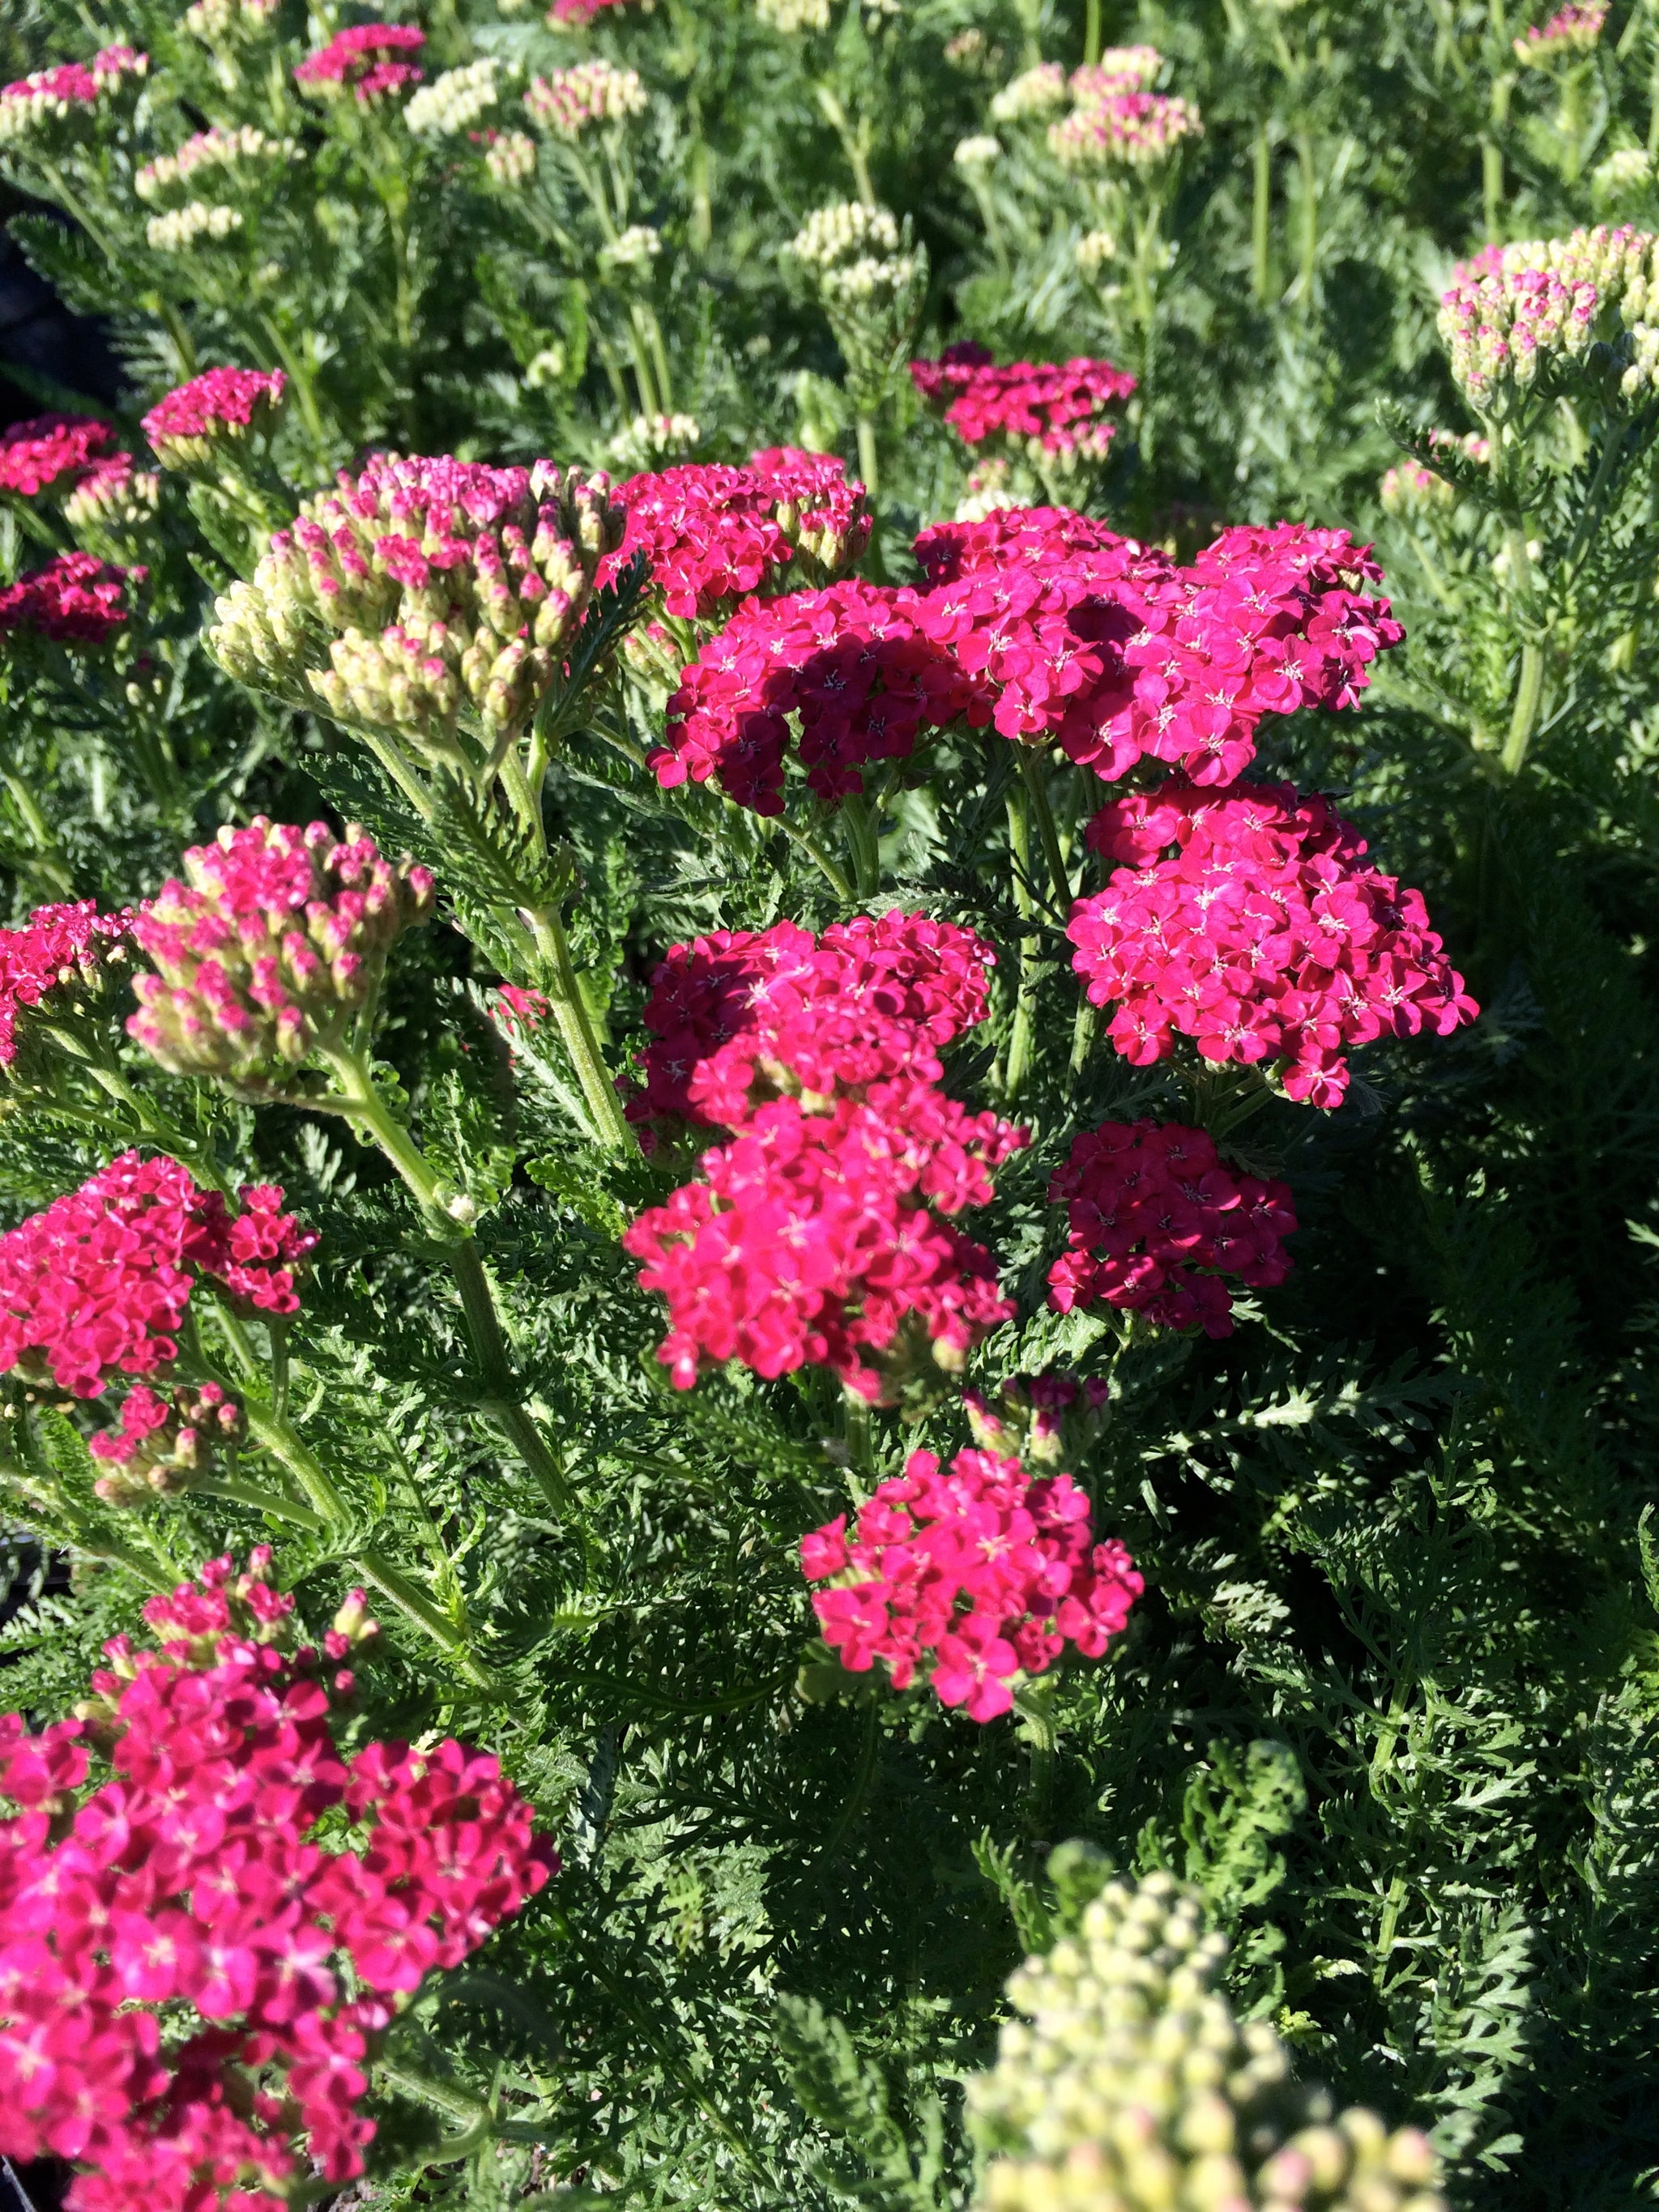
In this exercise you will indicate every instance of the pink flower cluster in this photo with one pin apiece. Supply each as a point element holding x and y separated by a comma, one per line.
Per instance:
<point>1049,627</point>
<point>275,938</point>
<point>853,662</point>
<point>564,12</point>
<point>1262,935</point>
<point>222,403</point>
<point>98,1284</point>
<point>53,92</point>
<point>871,999</point>
<point>48,448</point>
<point>75,599</point>
<point>976,1572</point>
<point>1572,29</point>
<point>812,1236</point>
<point>810,1240</point>
<point>1132,129</point>
<point>1503,323</point>
<point>1053,408</point>
<point>57,947</point>
<point>191,1892</point>
<point>711,533</point>
<point>1157,1217</point>
<point>352,58</point>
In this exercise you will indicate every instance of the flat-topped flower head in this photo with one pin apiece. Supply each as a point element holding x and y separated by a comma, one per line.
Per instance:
<point>53,106</point>
<point>52,453</point>
<point>711,533</point>
<point>220,23</point>
<point>1248,921</point>
<point>568,15</point>
<point>223,407</point>
<point>456,101</point>
<point>75,599</point>
<point>53,970</point>
<point>569,101</point>
<point>1120,68</point>
<point>1512,312</point>
<point>1053,411</point>
<point>824,1239</point>
<point>359,60</point>
<point>1573,30</point>
<point>740,1016</point>
<point>971,1577</point>
<point>98,1284</point>
<point>212,157</point>
<point>1156,1219</point>
<point>446,590</point>
<point>268,948</point>
<point>195,1850</point>
<point>1135,130</point>
<point>113,505</point>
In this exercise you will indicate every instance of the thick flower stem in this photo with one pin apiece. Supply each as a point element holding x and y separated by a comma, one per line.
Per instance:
<point>1523,719</point>
<point>869,458</point>
<point>361,1103</point>
<point>1091,32</point>
<point>558,979</point>
<point>1261,218</point>
<point>1019,841</point>
<point>284,1442</point>
<point>261,1501</point>
<point>415,1605</point>
<point>1033,769</point>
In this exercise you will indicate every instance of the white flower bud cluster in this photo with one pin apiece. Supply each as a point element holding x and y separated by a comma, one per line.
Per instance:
<point>1628,170</point>
<point>650,439</point>
<point>510,158</point>
<point>183,227</point>
<point>223,150</point>
<point>989,487</point>
<point>791,17</point>
<point>637,247</point>
<point>443,594</point>
<point>454,101</point>
<point>1130,2086</point>
<point>977,152</point>
<point>215,21</point>
<point>1510,308</point>
<point>847,232</point>
<point>1036,91</point>
<point>116,502</point>
<point>1093,251</point>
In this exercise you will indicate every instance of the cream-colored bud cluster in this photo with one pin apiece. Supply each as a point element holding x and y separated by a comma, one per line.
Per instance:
<point>989,487</point>
<point>1093,251</point>
<point>1130,2087</point>
<point>977,152</point>
<point>636,247</point>
<point>849,231</point>
<point>210,149</point>
<point>1628,171</point>
<point>567,100</point>
<point>213,21</point>
<point>650,439</point>
<point>510,158</point>
<point>431,618</point>
<point>791,17</point>
<point>180,228</point>
<point>114,501</point>
<point>1572,30</point>
<point>1037,91</point>
<point>454,101</point>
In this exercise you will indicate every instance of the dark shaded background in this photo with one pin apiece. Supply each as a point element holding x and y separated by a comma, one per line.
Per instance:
<point>39,336</point>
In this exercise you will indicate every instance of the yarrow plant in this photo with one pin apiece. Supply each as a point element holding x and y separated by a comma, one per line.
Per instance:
<point>758,768</point>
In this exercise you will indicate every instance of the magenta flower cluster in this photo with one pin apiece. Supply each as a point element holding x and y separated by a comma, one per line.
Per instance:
<point>712,534</point>
<point>73,84</point>
<point>59,950</point>
<point>1156,1217</point>
<point>814,1237</point>
<point>976,1574</point>
<point>194,1976</point>
<point>1248,921</point>
<point>1049,627</point>
<point>737,1015</point>
<point>1054,408</point>
<point>99,1282</point>
<point>356,58</point>
<point>43,451</point>
<point>75,599</point>
<point>220,403</point>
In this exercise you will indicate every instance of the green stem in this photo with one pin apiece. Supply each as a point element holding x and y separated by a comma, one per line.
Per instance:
<point>558,980</point>
<point>869,459</point>
<point>1019,842</point>
<point>1092,34</point>
<point>1262,217</point>
<point>284,1442</point>
<point>852,143</point>
<point>1523,719</point>
<point>1033,769</point>
<point>305,391</point>
<point>863,844</point>
<point>160,1128</point>
<point>50,864</point>
<point>861,1781</point>
<point>1304,155</point>
<point>813,847</point>
<point>1083,1034</point>
<point>416,1606</point>
<point>502,1402</point>
<point>262,1501</point>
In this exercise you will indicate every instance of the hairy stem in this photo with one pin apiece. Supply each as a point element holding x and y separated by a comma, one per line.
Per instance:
<point>1019,842</point>
<point>558,980</point>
